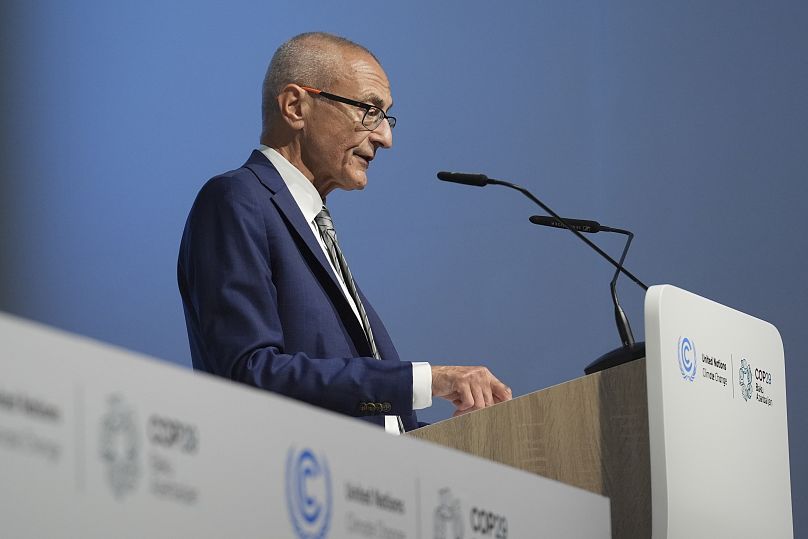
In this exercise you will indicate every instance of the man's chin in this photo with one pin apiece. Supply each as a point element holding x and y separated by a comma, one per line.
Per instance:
<point>356,183</point>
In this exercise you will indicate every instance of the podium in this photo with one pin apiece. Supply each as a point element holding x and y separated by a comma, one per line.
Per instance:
<point>691,441</point>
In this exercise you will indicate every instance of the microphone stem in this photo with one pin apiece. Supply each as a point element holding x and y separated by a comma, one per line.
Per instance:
<point>625,249</point>
<point>561,220</point>
<point>623,326</point>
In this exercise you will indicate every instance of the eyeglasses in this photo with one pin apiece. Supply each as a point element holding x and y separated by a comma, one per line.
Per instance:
<point>373,115</point>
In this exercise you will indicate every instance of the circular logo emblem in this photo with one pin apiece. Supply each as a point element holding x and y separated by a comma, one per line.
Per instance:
<point>308,493</point>
<point>687,359</point>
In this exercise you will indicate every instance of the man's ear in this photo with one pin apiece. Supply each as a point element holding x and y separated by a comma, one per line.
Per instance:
<point>292,105</point>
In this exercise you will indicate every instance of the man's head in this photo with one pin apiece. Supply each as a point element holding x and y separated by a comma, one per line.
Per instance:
<point>325,139</point>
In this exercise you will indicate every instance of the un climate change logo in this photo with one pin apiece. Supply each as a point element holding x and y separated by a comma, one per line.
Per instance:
<point>308,493</point>
<point>687,359</point>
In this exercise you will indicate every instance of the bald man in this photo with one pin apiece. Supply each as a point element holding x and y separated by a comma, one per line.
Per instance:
<point>268,296</point>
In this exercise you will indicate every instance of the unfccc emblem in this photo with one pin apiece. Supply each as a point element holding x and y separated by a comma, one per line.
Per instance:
<point>687,358</point>
<point>308,493</point>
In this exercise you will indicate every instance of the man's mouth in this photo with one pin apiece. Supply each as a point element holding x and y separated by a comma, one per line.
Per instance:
<point>366,158</point>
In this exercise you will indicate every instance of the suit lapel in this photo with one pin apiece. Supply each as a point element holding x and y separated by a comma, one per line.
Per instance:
<point>259,165</point>
<point>284,201</point>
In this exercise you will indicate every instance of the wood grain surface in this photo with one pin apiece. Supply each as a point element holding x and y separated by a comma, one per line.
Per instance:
<point>591,432</point>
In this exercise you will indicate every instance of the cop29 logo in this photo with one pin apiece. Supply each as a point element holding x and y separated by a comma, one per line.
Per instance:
<point>745,379</point>
<point>687,358</point>
<point>308,493</point>
<point>119,446</point>
<point>448,517</point>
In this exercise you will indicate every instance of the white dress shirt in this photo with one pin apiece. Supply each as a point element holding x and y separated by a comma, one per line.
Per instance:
<point>310,204</point>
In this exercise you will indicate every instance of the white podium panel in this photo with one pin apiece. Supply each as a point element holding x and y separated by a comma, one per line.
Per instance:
<point>99,442</point>
<point>717,420</point>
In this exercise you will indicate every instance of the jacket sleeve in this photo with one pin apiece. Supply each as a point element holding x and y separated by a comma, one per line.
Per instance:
<point>234,326</point>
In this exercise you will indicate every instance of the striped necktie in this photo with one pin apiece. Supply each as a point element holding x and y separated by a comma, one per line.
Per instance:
<point>326,227</point>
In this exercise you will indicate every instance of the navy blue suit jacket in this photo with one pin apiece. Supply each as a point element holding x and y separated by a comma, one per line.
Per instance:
<point>263,307</point>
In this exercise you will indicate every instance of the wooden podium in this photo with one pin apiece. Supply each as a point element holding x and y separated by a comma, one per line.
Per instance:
<point>591,432</point>
<point>687,442</point>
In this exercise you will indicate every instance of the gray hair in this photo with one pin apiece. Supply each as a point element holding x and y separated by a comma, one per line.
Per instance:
<point>311,59</point>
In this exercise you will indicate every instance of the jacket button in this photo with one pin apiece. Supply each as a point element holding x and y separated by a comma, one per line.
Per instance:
<point>386,407</point>
<point>363,407</point>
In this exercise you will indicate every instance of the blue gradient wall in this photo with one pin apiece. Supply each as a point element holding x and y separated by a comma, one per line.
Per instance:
<point>685,122</point>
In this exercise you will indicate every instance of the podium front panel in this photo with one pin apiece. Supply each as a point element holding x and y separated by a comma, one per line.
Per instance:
<point>718,431</point>
<point>96,441</point>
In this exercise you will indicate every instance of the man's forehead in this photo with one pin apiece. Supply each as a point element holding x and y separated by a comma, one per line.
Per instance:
<point>368,81</point>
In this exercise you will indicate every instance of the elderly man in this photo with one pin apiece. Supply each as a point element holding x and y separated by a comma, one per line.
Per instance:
<point>268,296</point>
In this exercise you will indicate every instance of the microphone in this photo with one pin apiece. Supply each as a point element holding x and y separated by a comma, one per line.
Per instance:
<point>477,180</point>
<point>581,225</point>
<point>481,180</point>
<point>615,357</point>
<point>630,350</point>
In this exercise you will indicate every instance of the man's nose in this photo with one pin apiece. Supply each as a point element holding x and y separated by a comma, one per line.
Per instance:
<point>382,135</point>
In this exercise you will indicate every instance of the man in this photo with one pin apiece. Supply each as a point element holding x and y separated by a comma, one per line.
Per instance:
<point>268,297</point>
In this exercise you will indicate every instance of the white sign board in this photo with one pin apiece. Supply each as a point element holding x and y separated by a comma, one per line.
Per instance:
<point>717,420</point>
<point>99,442</point>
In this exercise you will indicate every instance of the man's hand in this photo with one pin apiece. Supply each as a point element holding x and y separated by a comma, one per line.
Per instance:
<point>469,388</point>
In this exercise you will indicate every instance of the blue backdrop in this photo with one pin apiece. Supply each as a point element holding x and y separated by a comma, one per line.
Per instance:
<point>686,122</point>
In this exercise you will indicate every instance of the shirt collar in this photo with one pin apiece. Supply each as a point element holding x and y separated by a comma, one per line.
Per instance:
<point>301,188</point>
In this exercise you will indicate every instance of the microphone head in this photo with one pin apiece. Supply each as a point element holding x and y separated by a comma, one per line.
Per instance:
<point>544,220</point>
<point>581,225</point>
<point>477,180</point>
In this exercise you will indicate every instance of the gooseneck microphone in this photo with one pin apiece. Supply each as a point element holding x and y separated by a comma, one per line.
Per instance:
<point>630,349</point>
<point>481,180</point>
